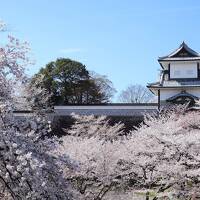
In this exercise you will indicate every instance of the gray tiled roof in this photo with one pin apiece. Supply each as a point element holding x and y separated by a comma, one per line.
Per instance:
<point>179,58</point>
<point>113,109</point>
<point>181,83</point>
<point>182,94</point>
<point>176,83</point>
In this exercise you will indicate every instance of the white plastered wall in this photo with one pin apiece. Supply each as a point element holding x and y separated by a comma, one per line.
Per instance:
<point>183,70</point>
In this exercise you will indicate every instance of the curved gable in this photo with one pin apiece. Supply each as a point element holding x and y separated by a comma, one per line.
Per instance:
<point>182,52</point>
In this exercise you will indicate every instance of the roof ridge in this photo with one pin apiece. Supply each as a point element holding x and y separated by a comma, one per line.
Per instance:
<point>182,45</point>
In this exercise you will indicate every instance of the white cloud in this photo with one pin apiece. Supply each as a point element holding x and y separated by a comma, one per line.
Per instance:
<point>71,50</point>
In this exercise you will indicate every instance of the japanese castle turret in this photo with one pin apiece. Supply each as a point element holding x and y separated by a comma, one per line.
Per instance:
<point>180,77</point>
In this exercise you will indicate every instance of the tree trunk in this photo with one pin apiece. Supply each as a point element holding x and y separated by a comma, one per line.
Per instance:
<point>147,196</point>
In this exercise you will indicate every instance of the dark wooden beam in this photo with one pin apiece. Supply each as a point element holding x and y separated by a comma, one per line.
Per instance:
<point>159,99</point>
<point>169,71</point>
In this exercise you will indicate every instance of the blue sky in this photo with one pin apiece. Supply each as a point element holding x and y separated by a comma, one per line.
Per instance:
<point>120,39</point>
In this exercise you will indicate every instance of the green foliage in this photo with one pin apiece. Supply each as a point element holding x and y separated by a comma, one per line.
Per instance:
<point>69,82</point>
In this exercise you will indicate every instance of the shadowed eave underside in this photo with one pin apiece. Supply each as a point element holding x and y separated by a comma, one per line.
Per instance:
<point>175,83</point>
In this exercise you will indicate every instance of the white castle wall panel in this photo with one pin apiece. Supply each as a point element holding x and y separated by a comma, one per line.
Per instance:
<point>183,70</point>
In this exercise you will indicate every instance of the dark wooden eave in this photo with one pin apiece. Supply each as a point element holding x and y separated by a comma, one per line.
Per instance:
<point>178,86</point>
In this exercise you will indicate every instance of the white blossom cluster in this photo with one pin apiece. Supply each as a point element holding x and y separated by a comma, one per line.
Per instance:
<point>27,170</point>
<point>161,159</point>
<point>91,126</point>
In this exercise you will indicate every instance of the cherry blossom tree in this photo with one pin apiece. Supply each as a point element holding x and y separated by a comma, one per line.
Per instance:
<point>28,169</point>
<point>161,159</point>
<point>92,142</point>
<point>91,126</point>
